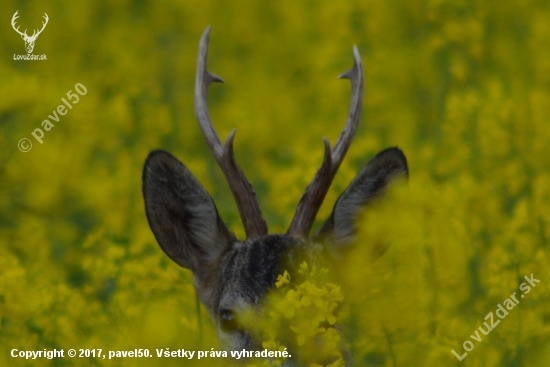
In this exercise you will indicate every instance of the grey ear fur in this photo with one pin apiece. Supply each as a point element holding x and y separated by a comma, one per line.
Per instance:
<point>181,214</point>
<point>339,229</point>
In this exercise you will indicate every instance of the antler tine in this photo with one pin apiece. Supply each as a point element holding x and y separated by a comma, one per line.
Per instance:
<point>13,20</point>
<point>43,25</point>
<point>316,191</point>
<point>355,75</point>
<point>243,192</point>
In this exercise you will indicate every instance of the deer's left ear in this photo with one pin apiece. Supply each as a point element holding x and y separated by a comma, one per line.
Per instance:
<point>339,229</point>
<point>182,215</point>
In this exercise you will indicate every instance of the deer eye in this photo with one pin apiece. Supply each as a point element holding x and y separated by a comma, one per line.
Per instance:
<point>229,321</point>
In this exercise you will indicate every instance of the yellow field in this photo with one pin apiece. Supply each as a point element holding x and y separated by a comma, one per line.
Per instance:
<point>462,87</point>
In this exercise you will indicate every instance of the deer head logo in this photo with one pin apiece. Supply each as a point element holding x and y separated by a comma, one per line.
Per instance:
<point>29,40</point>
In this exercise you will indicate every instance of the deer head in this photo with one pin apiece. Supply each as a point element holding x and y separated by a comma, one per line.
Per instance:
<point>29,40</point>
<point>232,275</point>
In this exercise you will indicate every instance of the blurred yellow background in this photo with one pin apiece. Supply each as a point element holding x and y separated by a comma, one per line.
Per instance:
<point>462,87</point>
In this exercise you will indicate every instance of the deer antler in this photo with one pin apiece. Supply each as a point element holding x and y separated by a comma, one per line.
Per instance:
<point>249,208</point>
<point>315,193</point>
<point>13,19</point>
<point>37,32</point>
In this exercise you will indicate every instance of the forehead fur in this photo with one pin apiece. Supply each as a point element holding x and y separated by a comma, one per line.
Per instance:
<point>250,269</point>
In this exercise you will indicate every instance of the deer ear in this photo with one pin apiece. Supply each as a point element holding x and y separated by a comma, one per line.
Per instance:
<point>339,229</point>
<point>181,214</point>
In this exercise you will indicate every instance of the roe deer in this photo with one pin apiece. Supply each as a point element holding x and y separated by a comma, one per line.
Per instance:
<point>231,275</point>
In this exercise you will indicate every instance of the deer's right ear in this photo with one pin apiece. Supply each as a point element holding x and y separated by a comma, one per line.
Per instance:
<point>181,214</point>
<point>365,188</point>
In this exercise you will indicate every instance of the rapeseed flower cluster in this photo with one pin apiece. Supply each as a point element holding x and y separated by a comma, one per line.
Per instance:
<point>306,310</point>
